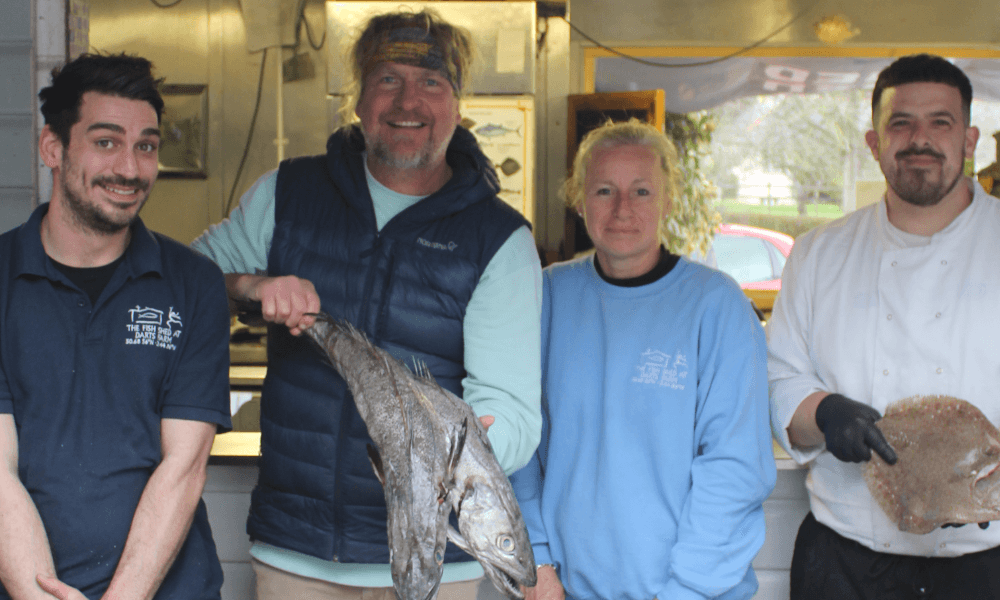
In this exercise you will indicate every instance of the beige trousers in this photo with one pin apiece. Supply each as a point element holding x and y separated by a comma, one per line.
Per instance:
<point>275,584</point>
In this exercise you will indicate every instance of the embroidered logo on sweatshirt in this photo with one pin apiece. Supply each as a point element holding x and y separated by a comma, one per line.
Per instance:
<point>662,369</point>
<point>436,245</point>
<point>147,327</point>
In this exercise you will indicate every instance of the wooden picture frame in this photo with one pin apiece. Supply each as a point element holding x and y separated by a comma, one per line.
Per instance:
<point>183,129</point>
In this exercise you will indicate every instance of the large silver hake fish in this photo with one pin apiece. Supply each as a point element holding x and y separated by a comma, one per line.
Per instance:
<point>432,456</point>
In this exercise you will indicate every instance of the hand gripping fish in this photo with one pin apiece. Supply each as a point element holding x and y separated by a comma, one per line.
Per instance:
<point>948,469</point>
<point>432,457</point>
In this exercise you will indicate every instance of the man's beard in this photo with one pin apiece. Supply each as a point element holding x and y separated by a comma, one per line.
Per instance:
<point>89,216</point>
<point>421,158</point>
<point>911,184</point>
<point>416,160</point>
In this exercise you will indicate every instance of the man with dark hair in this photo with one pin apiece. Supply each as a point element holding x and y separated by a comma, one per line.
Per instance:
<point>397,229</point>
<point>923,68</point>
<point>113,363</point>
<point>893,301</point>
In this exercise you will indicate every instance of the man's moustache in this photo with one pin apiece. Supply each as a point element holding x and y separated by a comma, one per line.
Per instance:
<point>140,184</point>
<point>919,152</point>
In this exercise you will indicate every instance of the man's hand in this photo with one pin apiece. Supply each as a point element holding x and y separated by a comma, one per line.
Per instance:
<point>548,587</point>
<point>850,431</point>
<point>287,300</point>
<point>58,589</point>
<point>487,420</point>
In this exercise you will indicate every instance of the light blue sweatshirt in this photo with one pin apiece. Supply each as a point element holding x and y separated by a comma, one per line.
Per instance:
<point>656,449</point>
<point>500,332</point>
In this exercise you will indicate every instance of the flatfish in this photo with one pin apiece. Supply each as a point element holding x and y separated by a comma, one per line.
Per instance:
<point>948,469</point>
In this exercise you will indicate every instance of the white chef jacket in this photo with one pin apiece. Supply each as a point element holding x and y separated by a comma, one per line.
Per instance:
<point>878,315</point>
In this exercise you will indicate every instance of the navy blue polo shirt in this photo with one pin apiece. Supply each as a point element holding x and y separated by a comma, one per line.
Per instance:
<point>89,383</point>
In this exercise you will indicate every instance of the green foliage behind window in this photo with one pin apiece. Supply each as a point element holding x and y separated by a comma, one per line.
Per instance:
<point>692,222</point>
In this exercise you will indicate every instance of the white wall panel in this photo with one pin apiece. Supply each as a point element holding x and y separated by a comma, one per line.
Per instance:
<point>15,73</point>
<point>16,151</point>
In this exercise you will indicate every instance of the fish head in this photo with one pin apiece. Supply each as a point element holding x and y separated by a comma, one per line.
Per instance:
<point>986,472</point>
<point>493,531</point>
<point>416,565</point>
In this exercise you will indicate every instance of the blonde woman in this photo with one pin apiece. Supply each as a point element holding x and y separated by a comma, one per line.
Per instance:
<point>656,450</point>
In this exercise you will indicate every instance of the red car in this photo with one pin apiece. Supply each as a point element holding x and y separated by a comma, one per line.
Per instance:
<point>754,257</point>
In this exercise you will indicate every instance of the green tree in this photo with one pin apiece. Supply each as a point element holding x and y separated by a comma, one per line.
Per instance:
<point>814,139</point>
<point>693,219</point>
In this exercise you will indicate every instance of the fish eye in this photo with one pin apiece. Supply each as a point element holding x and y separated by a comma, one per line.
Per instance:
<point>439,556</point>
<point>505,543</point>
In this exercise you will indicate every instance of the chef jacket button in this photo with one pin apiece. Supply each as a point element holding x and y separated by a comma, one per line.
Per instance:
<point>943,546</point>
<point>886,372</point>
<point>894,263</point>
<point>944,262</point>
<point>937,316</point>
<point>888,317</point>
<point>887,545</point>
<point>939,370</point>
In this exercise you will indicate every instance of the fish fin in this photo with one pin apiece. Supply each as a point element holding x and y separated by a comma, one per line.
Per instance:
<point>457,539</point>
<point>376,461</point>
<point>421,371</point>
<point>457,446</point>
<point>395,389</point>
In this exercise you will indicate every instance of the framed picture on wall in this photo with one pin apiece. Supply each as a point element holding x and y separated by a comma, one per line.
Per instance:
<point>184,128</point>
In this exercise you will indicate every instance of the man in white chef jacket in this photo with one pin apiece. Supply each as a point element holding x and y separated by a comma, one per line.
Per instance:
<point>895,300</point>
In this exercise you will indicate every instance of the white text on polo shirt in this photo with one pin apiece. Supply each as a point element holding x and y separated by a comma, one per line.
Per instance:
<point>146,327</point>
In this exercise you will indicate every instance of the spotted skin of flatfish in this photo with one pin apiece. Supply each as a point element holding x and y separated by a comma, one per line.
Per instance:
<point>949,454</point>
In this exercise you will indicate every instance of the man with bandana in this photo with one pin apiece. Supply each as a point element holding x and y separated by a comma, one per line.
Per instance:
<point>398,230</point>
<point>895,300</point>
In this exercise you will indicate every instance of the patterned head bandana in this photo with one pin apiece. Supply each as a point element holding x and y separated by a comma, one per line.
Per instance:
<point>416,47</point>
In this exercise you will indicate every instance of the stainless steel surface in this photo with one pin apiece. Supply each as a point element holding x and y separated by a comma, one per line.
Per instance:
<point>205,42</point>
<point>509,25</point>
<point>552,88</point>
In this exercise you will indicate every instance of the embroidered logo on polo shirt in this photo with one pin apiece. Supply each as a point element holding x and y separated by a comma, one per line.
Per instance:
<point>149,326</point>
<point>657,368</point>
<point>450,246</point>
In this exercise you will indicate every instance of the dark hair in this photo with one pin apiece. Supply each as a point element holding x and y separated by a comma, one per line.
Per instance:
<point>923,68</point>
<point>120,75</point>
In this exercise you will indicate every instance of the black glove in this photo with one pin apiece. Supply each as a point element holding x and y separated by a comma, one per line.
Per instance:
<point>984,525</point>
<point>849,428</point>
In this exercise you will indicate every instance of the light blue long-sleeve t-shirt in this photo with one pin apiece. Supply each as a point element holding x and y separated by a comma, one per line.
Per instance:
<point>656,450</point>
<point>500,333</point>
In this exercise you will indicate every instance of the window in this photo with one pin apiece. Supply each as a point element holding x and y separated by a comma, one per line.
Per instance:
<point>745,259</point>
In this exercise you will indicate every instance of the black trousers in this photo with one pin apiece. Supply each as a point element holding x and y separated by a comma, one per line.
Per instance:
<point>826,565</point>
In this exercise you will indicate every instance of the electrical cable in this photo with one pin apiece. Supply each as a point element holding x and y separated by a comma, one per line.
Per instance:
<point>697,64</point>
<point>299,20</point>
<point>253,123</point>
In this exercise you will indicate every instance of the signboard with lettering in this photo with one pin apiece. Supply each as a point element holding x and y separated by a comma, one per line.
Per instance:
<point>700,87</point>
